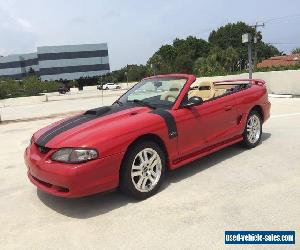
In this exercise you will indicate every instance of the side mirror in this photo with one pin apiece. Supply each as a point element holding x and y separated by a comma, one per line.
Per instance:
<point>193,101</point>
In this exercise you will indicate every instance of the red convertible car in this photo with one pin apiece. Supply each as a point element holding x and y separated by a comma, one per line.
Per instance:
<point>162,123</point>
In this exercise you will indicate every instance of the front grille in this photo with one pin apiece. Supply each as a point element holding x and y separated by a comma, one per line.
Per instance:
<point>46,184</point>
<point>51,186</point>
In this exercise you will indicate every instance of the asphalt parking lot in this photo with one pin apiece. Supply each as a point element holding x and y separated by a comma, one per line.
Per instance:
<point>233,189</point>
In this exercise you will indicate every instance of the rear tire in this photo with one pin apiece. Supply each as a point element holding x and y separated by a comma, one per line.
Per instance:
<point>253,130</point>
<point>143,170</point>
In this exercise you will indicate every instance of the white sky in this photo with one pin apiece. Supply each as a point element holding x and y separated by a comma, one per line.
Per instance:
<point>135,29</point>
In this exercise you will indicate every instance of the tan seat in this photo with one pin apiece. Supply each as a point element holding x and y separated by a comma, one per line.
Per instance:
<point>219,92</point>
<point>172,93</point>
<point>205,90</point>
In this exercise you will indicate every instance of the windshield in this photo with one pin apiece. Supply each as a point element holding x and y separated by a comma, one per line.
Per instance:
<point>158,92</point>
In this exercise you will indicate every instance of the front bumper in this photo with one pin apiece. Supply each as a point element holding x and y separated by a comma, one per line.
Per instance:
<point>72,180</point>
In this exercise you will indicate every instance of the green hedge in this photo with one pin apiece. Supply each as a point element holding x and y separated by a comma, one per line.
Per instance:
<point>29,86</point>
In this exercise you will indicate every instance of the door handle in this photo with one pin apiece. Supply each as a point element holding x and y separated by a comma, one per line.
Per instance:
<point>228,108</point>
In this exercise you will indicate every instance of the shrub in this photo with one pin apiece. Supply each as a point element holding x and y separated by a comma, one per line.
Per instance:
<point>29,86</point>
<point>10,88</point>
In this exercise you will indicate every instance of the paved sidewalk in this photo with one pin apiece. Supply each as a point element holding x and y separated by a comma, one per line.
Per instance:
<point>53,108</point>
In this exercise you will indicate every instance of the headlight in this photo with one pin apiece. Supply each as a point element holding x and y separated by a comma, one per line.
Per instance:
<point>74,155</point>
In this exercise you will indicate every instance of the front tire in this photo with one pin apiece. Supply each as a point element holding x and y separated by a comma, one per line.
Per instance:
<point>253,130</point>
<point>142,170</point>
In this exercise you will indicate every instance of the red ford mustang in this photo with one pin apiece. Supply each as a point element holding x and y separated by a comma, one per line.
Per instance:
<point>163,122</point>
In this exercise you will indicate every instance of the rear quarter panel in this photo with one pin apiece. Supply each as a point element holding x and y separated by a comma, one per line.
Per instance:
<point>246,99</point>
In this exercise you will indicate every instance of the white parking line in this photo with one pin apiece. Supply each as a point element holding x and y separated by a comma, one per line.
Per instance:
<point>284,115</point>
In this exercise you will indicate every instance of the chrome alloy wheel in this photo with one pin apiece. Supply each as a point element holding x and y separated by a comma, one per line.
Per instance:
<point>253,129</point>
<point>146,170</point>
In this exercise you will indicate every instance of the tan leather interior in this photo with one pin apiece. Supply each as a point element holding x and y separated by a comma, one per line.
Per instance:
<point>206,90</point>
<point>173,92</point>
<point>219,92</point>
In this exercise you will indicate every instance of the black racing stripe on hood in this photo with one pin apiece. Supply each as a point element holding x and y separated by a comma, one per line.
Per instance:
<point>76,121</point>
<point>169,120</point>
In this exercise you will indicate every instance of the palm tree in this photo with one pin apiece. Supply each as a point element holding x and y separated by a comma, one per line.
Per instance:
<point>296,51</point>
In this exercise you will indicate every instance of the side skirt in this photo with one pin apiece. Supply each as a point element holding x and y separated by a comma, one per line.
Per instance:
<point>206,151</point>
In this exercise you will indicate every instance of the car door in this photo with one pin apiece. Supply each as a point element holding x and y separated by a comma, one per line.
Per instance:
<point>220,120</point>
<point>190,127</point>
<point>205,125</point>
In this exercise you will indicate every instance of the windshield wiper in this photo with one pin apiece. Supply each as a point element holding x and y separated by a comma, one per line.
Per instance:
<point>143,103</point>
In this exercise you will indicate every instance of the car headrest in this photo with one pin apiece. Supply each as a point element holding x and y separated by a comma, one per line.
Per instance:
<point>205,90</point>
<point>175,86</point>
<point>207,85</point>
<point>204,87</point>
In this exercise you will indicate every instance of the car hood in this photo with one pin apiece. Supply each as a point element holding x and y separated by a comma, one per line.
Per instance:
<point>105,123</point>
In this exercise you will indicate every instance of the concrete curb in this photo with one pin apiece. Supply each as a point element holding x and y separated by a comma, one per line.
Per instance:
<point>280,96</point>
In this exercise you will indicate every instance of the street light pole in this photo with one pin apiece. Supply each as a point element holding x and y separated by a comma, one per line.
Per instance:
<point>126,74</point>
<point>250,59</point>
<point>257,25</point>
<point>101,84</point>
<point>153,68</point>
<point>247,38</point>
